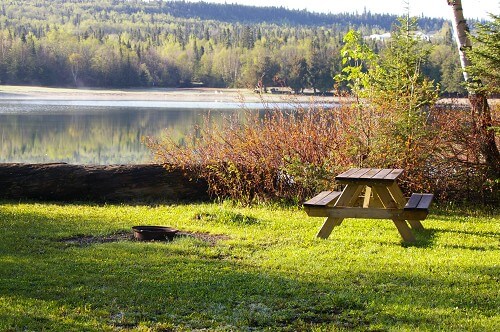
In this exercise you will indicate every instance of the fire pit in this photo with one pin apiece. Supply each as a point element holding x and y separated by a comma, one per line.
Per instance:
<point>157,233</point>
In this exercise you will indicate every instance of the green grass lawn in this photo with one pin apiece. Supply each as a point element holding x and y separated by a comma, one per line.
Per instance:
<point>268,271</point>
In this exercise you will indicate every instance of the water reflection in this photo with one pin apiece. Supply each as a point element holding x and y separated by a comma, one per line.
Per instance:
<point>82,134</point>
<point>146,104</point>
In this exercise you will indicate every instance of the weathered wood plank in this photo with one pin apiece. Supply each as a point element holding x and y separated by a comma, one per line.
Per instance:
<point>385,196</point>
<point>394,174</point>
<point>348,172</point>
<point>370,174</point>
<point>419,202</point>
<point>413,201</point>
<point>323,199</point>
<point>416,225</point>
<point>328,226</point>
<point>348,196</point>
<point>397,194</point>
<point>425,202</point>
<point>330,199</point>
<point>368,197</point>
<point>359,173</point>
<point>316,198</point>
<point>382,174</point>
<point>365,213</point>
<point>404,230</point>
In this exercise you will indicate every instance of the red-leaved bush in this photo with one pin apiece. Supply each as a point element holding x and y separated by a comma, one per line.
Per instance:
<point>276,154</point>
<point>292,154</point>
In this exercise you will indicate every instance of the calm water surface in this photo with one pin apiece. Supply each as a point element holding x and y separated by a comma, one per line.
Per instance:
<point>95,132</point>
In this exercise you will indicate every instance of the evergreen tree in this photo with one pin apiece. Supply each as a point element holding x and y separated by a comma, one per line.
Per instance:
<point>297,77</point>
<point>485,55</point>
<point>393,97</point>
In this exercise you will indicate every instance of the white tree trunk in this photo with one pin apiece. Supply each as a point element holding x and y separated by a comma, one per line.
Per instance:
<point>461,30</point>
<point>479,103</point>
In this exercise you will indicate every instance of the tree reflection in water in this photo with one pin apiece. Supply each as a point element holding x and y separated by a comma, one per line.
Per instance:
<point>36,133</point>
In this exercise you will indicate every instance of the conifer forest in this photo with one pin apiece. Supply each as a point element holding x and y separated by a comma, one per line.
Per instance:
<point>132,43</point>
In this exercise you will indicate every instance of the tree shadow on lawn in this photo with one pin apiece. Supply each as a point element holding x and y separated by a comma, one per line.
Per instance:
<point>163,282</point>
<point>168,283</point>
<point>424,238</point>
<point>427,238</point>
<point>188,283</point>
<point>21,321</point>
<point>477,233</point>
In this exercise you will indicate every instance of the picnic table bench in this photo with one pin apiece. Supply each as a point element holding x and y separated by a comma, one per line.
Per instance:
<point>371,193</point>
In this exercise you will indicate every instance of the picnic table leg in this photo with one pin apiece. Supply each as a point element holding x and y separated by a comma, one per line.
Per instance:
<point>347,198</point>
<point>404,230</point>
<point>392,198</point>
<point>398,196</point>
<point>371,199</point>
<point>416,224</point>
<point>328,226</point>
<point>368,197</point>
<point>386,197</point>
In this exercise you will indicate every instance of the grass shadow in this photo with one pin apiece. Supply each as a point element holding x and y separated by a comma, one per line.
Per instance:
<point>476,233</point>
<point>123,283</point>
<point>129,283</point>
<point>189,284</point>
<point>425,238</point>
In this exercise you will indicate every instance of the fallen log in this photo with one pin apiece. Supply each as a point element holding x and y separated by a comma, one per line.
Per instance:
<point>98,183</point>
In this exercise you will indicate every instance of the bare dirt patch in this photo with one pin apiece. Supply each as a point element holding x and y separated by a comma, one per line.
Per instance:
<point>86,240</point>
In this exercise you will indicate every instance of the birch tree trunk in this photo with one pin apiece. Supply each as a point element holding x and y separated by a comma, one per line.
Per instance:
<point>479,103</point>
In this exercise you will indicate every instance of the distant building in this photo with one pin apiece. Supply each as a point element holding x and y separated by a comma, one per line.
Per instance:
<point>386,36</point>
<point>381,37</point>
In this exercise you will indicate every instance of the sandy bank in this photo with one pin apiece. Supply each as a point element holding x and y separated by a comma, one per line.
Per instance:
<point>177,95</point>
<point>9,92</point>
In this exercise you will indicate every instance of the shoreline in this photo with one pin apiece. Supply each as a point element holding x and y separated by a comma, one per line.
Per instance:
<point>199,95</point>
<point>10,92</point>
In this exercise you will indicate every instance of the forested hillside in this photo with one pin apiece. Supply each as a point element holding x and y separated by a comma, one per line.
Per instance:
<point>119,43</point>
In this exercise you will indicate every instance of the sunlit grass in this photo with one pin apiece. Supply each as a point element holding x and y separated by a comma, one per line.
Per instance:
<point>268,272</point>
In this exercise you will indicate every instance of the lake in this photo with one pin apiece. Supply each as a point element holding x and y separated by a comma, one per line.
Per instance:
<point>96,132</point>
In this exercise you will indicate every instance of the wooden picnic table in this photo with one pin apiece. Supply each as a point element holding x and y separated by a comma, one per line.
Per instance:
<point>370,193</point>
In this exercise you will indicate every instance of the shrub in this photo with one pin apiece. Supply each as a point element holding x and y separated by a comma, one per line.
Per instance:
<point>278,154</point>
<point>389,122</point>
<point>293,154</point>
<point>459,169</point>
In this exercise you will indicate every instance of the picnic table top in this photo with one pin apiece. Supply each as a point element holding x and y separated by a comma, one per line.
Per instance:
<point>370,175</point>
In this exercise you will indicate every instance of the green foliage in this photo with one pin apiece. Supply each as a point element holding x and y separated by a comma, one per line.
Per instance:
<point>172,44</point>
<point>444,67</point>
<point>485,54</point>
<point>360,65</point>
<point>390,123</point>
<point>406,94</point>
<point>393,102</point>
<point>256,268</point>
<point>297,74</point>
<point>401,78</point>
<point>320,70</point>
